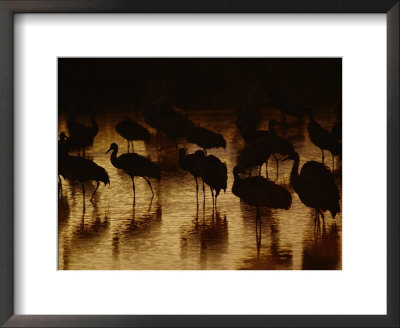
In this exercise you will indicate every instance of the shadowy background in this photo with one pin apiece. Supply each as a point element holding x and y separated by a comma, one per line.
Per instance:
<point>126,84</point>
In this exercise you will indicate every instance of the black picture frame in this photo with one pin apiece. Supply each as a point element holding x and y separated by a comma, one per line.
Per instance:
<point>10,7</point>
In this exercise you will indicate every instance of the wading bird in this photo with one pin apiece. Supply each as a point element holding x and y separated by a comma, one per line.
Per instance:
<point>250,135</point>
<point>75,168</point>
<point>131,130</point>
<point>322,138</point>
<point>260,192</point>
<point>206,139</point>
<point>81,136</point>
<point>255,154</point>
<point>214,173</point>
<point>287,102</point>
<point>278,145</point>
<point>315,186</point>
<point>164,118</point>
<point>248,113</point>
<point>135,166</point>
<point>191,163</point>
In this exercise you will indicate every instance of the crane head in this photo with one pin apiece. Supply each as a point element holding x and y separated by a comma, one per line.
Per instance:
<point>113,146</point>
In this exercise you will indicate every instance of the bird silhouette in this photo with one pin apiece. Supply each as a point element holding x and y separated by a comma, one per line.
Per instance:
<point>168,120</point>
<point>249,135</point>
<point>134,165</point>
<point>131,130</point>
<point>62,152</point>
<point>81,136</point>
<point>322,138</point>
<point>255,154</point>
<point>336,131</point>
<point>206,139</point>
<point>248,114</point>
<point>191,163</point>
<point>284,98</point>
<point>315,186</point>
<point>260,192</point>
<point>214,173</point>
<point>278,145</point>
<point>81,169</point>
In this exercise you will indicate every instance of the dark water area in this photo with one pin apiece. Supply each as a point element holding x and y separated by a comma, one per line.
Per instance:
<point>171,230</point>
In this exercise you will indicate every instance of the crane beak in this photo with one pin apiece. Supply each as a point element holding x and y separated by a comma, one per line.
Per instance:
<point>108,151</point>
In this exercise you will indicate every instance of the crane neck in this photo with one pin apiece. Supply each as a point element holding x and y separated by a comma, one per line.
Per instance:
<point>271,130</point>
<point>114,158</point>
<point>294,174</point>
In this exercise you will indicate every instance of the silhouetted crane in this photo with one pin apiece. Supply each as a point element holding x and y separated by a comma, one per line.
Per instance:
<point>315,186</point>
<point>191,163</point>
<point>131,130</point>
<point>286,101</point>
<point>164,118</point>
<point>135,165</point>
<point>248,113</point>
<point>322,138</point>
<point>62,152</point>
<point>81,136</point>
<point>206,139</point>
<point>214,173</point>
<point>260,192</point>
<point>250,135</point>
<point>278,144</point>
<point>81,169</point>
<point>337,127</point>
<point>255,154</point>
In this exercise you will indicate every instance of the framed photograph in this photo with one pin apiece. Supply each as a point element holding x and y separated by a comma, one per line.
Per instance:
<point>199,164</point>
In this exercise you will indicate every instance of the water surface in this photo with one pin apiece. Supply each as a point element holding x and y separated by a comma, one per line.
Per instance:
<point>172,231</point>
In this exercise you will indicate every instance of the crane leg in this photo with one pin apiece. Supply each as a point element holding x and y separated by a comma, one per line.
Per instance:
<point>133,149</point>
<point>128,145</point>
<point>266,168</point>
<point>197,188</point>
<point>148,182</point>
<point>323,156</point>
<point>83,193</point>
<point>333,163</point>
<point>212,196</point>
<point>98,183</point>
<point>259,171</point>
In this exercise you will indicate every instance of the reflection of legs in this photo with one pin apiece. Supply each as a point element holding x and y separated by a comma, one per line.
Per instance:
<point>148,182</point>
<point>98,183</point>
<point>83,193</point>
<point>258,230</point>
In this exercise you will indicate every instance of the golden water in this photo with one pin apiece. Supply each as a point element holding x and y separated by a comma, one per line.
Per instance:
<point>170,231</point>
